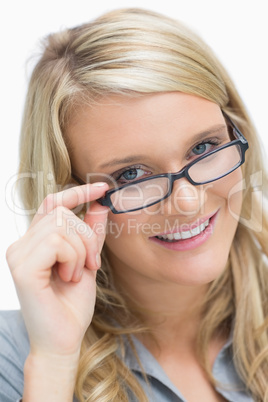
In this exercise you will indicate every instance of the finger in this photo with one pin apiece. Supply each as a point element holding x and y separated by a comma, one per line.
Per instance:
<point>66,224</point>
<point>80,235</point>
<point>83,238</point>
<point>70,198</point>
<point>52,250</point>
<point>96,217</point>
<point>74,230</point>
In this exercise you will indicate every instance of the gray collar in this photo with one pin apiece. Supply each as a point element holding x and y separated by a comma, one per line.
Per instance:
<point>224,371</point>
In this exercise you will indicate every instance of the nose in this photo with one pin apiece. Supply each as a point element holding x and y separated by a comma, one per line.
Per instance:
<point>185,199</point>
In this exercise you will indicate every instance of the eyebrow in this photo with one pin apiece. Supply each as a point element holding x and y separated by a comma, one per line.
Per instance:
<point>137,158</point>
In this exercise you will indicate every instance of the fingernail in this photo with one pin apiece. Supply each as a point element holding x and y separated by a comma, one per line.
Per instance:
<point>98,260</point>
<point>99,184</point>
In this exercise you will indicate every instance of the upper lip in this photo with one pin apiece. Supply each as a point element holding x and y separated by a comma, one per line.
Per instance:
<point>187,226</point>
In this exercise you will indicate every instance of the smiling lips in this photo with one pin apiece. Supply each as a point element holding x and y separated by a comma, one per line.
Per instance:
<point>188,234</point>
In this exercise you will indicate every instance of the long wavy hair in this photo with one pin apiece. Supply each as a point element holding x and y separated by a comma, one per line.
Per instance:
<point>130,52</point>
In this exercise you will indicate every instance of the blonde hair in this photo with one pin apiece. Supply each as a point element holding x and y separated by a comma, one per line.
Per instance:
<point>133,52</point>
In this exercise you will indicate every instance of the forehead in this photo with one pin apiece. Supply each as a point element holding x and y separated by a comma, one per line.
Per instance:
<point>119,125</point>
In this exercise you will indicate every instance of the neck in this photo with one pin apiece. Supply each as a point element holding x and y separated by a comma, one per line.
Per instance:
<point>167,309</point>
<point>170,311</point>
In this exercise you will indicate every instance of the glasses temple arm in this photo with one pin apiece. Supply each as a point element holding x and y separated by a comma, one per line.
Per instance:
<point>240,136</point>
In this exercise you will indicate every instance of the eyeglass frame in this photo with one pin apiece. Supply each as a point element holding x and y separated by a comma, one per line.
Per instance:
<point>240,140</point>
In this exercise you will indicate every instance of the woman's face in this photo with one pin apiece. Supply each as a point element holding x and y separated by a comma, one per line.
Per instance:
<point>132,138</point>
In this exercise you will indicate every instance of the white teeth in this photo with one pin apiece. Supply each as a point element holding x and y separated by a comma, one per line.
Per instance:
<point>177,236</point>
<point>186,234</point>
<point>195,231</point>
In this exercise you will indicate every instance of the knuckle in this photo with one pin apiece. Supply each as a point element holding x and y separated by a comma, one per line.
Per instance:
<point>10,254</point>
<point>72,256</point>
<point>9,251</point>
<point>54,241</point>
<point>49,201</point>
<point>46,206</point>
<point>63,211</point>
<point>79,227</point>
<point>59,216</point>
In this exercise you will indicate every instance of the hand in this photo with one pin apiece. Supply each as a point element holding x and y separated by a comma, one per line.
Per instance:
<point>54,269</point>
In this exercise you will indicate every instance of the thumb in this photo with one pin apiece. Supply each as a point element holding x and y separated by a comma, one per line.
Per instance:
<point>96,217</point>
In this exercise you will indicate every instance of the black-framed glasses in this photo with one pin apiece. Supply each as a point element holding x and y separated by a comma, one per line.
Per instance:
<point>212,166</point>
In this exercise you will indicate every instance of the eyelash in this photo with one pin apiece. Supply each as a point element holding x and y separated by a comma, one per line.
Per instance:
<point>120,173</point>
<point>214,142</point>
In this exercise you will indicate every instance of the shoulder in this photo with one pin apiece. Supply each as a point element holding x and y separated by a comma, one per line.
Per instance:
<point>14,349</point>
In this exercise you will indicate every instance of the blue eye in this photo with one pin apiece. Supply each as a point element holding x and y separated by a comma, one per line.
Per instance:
<point>201,149</point>
<point>130,174</point>
<point>204,147</point>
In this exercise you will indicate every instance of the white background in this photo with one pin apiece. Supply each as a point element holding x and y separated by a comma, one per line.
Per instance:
<point>237,30</point>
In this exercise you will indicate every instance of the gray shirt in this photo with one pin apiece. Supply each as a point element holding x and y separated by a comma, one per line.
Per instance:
<point>14,348</point>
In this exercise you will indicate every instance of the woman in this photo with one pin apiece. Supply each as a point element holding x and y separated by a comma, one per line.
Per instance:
<point>156,289</point>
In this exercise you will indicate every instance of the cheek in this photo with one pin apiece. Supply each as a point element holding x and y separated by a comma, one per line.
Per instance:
<point>125,238</point>
<point>125,228</point>
<point>230,190</point>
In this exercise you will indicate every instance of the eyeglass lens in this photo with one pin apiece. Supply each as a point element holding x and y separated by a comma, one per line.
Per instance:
<point>150,191</point>
<point>216,165</point>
